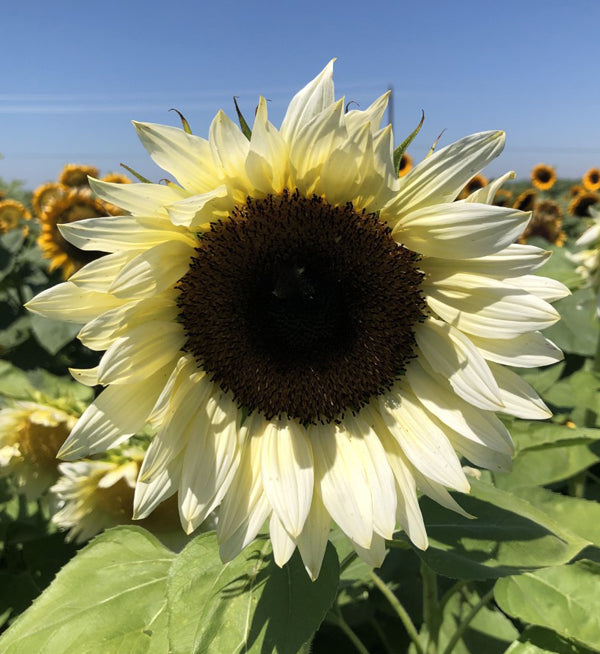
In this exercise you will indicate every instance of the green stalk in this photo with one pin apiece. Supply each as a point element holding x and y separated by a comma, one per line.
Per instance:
<point>462,627</point>
<point>401,612</point>
<point>430,606</point>
<point>338,619</point>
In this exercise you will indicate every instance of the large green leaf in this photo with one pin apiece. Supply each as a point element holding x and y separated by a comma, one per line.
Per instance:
<point>546,465</point>
<point>536,640</point>
<point>507,536</point>
<point>580,516</point>
<point>247,605</point>
<point>529,434</point>
<point>53,335</point>
<point>564,599</point>
<point>577,332</point>
<point>111,597</point>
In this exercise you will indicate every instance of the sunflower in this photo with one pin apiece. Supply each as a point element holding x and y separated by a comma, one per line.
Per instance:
<point>92,495</point>
<point>526,200</point>
<point>75,205</point>
<point>503,198</point>
<point>12,213</point>
<point>546,222</point>
<point>331,337</point>
<point>576,190</point>
<point>580,204</point>
<point>76,175</point>
<point>406,163</point>
<point>44,194</point>
<point>116,178</point>
<point>474,184</point>
<point>30,437</point>
<point>543,177</point>
<point>591,179</point>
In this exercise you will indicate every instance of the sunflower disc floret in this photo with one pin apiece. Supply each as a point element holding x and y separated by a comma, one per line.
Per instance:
<point>314,339</point>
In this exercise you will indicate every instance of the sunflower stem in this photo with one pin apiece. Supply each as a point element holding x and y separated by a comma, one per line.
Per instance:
<point>379,631</point>
<point>462,627</point>
<point>430,607</point>
<point>401,612</point>
<point>348,559</point>
<point>337,619</point>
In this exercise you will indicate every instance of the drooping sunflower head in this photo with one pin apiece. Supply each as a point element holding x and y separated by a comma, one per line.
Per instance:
<point>580,204</point>
<point>526,200</point>
<point>12,214</point>
<point>546,222</point>
<point>44,194</point>
<point>543,177</point>
<point>313,338</point>
<point>474,184</point>
<point>591,179</point>
<point>76,175</point>
<point>30,436</point>
<point>73,206</point>
<point>406,164</point>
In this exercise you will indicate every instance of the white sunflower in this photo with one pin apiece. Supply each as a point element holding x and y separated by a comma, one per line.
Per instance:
<point>314,338</point>
<point>588,258</point>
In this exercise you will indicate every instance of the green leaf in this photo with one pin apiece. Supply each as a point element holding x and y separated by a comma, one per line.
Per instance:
<point>551,463</point>
<point>543,379</point>
<point>507,536</point>
<point>53,335</point>
<point>111,597</point>
<point>580,389</point>
<point>14,382</point>
<point>564,599</point>
<point>577,331</point>
<point>537,435</point>
<point>536,640</point>
<point>580,516</point>
<point>248,604</point>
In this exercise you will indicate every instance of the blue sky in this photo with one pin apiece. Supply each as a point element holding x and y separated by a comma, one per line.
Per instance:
<point>78,72</point>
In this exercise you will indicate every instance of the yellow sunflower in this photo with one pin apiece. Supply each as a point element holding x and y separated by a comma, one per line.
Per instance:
<point>44,194</point>
<point>591,179</point>
<point>332,338</point>
<point>75,205</point>
<point>526,200</point>
<point>30,436</point>
<point>543,177</point>
<point>406,164</point>
<point>92,495</point>
<point>503,198</point>
<point>580,204</point>
<point>575,190</point>
<point>546,222</point>
<point>76,175</point>
<point>474,184</point>
<point>114,178</point>
<point>12,213</point>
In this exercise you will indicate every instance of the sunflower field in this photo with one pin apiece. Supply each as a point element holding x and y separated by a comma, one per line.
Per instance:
<point>488,545</point>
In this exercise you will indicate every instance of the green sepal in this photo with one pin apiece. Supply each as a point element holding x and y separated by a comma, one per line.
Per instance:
<point>246,131</point>
<point>401,149</point>
<point>434,144</point>
<point>141,178</point>
<point>184,123</point>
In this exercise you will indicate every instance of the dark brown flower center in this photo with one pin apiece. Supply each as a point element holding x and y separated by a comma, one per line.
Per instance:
<point>299,308</point>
